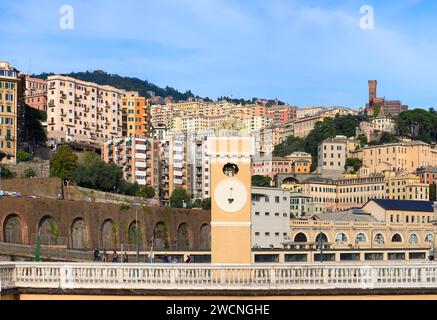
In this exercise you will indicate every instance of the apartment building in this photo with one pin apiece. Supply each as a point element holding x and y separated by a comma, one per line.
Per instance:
<point>270,217</point>
<point>332,154</point>
<point>296,163</point>
<point>136,119</point>
<point>303,126</point>
<point>308,112</point>
<point>406,186</point>
<point>353,192</point>
<point>137,158</point>
<point>84,112</point>
<point>11,96</point>
<point>405,156</point>
<point>372,130</point>
<point>281,114</point>
<point>300,162</point>
<point>36,93</point>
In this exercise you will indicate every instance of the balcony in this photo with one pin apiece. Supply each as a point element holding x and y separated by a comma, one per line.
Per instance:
<point>9,138</point>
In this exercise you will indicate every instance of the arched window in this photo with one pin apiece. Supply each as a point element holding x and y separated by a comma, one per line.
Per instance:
<point>341,238</point>
<point>361,237</point>
<point>413,239</point>
<point>379,238</point>
<point>300,237</point>
<point>12,230</point>
<point>205,236</point>
<point>429,238</point>
<point>321,237</point>
<point>396,238</point>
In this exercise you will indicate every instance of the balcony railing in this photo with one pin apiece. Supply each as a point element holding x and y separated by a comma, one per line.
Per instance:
<point>217,277</point>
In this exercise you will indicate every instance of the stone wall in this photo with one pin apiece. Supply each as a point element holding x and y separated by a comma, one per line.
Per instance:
<point>41,169</point>
<point>92,225</point>
<point>47,187</point>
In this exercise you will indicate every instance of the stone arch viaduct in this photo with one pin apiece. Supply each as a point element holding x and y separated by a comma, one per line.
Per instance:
<point>81,225</point>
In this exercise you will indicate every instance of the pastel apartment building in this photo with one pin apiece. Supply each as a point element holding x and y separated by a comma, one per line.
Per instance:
<point>332,153</point>
<point>137,158</point>
<point>407,156</point>
<point>82,112</point>
<point>10,110</point>
<point>36,93</point>
<point>136,115</point>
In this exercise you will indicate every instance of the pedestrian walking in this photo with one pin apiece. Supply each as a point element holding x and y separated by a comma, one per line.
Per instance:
<point>105,256</point>
<point>125,258</point>
<point>189,260</point>
<point>166,259</point>
<point>115,257</point>
<point>96,255</point>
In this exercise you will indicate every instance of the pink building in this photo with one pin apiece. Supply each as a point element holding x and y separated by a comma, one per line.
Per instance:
<point>36,93</point>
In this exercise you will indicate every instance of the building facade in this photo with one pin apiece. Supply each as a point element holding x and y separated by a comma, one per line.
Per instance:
<point>10,109</point>
<point>83,112</point>
<point>332,154</point>
<point>36,93</point>
<point>270,217</point>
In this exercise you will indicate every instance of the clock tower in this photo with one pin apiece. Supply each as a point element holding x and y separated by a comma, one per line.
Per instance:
<point>231,175</point>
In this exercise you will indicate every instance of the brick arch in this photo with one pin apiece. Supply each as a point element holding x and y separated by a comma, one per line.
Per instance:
<point>23,236</point>
<point>108,234</point>
<point>131,234</point>
<point>79,234</point>
<point>184,236</point>
<point>205,236</point>
<point>161,236</point>
<point>48,228</point>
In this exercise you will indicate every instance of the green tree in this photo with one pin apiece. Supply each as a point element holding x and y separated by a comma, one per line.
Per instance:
<point>29,173</point>
<point>23,156</point>
<point>355,163</point>
<point>178,197</point>
<point>261,181</point>
<point>63,164</point>
<point>147,192</point>
<point>5,172</point>
<point>206,204</point>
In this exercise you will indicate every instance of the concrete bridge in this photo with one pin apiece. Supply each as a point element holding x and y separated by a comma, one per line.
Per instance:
<point>81,280</point>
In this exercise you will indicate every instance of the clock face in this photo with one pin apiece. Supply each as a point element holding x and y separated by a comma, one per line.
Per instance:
<point>231,195</point>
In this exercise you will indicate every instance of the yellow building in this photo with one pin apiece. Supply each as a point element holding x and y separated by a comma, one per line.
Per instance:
<point>405,156</point>
<point>10,92</point>
<point>405,187</point>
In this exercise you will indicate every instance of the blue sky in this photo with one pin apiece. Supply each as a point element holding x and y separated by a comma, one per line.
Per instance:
<point>302,52</point>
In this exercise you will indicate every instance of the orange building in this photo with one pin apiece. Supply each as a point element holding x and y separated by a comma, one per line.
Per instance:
<point>135,115</point>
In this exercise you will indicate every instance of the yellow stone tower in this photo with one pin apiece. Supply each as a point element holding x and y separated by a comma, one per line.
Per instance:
<point>231,174</point>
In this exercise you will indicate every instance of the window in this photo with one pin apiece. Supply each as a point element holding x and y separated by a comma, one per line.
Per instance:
<point>341,238</point>
<point>379,238</point>
<point>429,238</point>
<point>396,238</point>
<point>361,237</point>
<point>413,239</point>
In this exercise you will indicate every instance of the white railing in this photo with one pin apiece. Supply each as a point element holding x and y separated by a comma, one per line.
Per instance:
<point>210,277</point>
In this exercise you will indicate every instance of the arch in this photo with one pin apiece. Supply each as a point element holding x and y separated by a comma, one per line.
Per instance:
<point>79,234</point>
<point>321,237</point>
<point>183,236</point>
<point>360,237</point>
<point>379,238</point>
<point>108,235</point>
<point>290,180</point>
<point>413,239</point>
<point>133,232</point>
<point>341,238</point>
<point>300,237</point>
<point>13,229</point>
<point>429,238</point>
<point>49,230</point>
<point>205,236</point>
<point>396,238</point>
<point>160,234</point>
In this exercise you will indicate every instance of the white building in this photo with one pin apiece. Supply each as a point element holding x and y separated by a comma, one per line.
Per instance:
<point>270,217</point>
<point>332,154</point>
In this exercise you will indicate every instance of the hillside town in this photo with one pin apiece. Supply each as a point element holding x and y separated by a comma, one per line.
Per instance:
<point>368,173</point>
